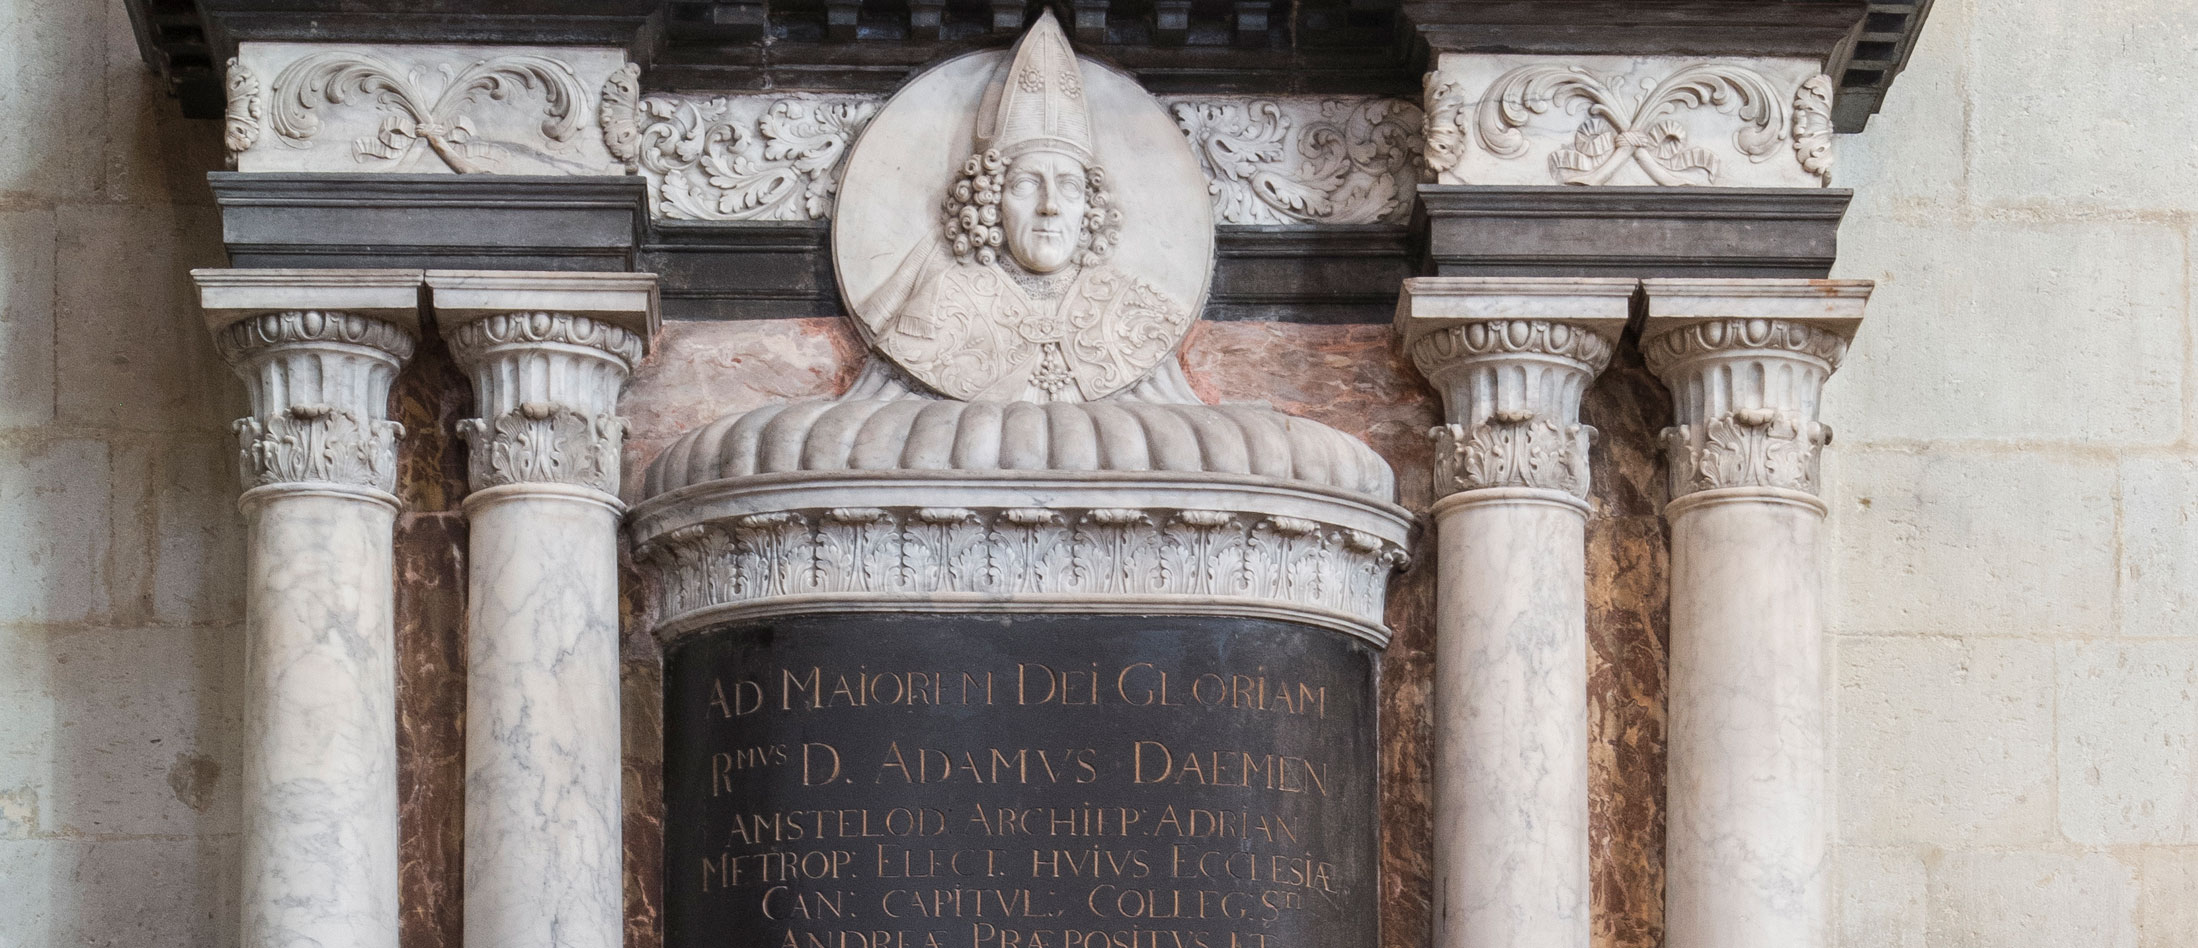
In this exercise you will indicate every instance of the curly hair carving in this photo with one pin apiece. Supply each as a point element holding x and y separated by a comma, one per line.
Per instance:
<point>972,212</point>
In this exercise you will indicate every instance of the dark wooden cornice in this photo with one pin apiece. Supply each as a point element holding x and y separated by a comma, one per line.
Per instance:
<point>1173,46</point>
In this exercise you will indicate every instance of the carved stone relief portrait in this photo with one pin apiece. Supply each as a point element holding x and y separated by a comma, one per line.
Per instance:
<point>1024,226</point>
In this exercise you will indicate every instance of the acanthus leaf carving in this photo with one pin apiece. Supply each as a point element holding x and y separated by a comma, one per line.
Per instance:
<point>1333,161</point>
<point>411,115</point>
<point>1445,134</point>
<point>247,105</point>
<point>544,443</point>
<point>315,443</point>
<point>1812,132</point>
<point>1040,555</point>
<point>1513,450</point>
<point>1751,447</point>
<point>1617,129</point>
<point>710,160</point>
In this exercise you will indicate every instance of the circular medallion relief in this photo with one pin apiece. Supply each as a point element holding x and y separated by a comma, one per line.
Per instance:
<point>1023,225</point>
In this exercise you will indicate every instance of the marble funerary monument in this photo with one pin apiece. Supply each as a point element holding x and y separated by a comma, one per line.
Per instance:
<point>1031,627</point>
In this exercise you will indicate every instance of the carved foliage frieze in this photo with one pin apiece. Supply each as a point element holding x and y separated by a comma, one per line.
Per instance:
<point>1615,121</point>
<point>544,443</point>
<point>1036,554</point>
<point>733,158</point>
<point>1281,160</point>
<point>1300,160</point>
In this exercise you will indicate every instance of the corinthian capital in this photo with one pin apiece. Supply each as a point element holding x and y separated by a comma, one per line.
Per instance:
<point>1746,362</point>
<point>317,350</point>
<point>548,353</point>
<point>1511,357</point>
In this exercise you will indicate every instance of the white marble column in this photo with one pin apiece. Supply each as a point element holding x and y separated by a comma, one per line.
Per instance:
<point>317,350</point>
<point>548,353</point>
<point>1511,358</point>
<point>1746,361</point>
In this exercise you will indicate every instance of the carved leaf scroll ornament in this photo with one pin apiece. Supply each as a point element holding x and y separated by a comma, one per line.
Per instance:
<point>707,160</point>
<point>1813,127</point>
<point>1336,161</point>
<point>1445,134</point>
<point>246,106</point>
<point>618,112</point>
<point>411,116</point>
<point>1617,128</point>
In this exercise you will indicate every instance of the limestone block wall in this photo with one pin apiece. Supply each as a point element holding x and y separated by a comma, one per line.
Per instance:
<point>2014,488</point>
<point>120,550</point>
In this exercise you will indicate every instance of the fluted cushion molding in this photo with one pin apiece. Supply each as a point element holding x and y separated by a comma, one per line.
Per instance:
<point>921,435</point>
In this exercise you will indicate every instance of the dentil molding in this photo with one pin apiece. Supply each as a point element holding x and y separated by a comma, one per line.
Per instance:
<point>1614,120</point>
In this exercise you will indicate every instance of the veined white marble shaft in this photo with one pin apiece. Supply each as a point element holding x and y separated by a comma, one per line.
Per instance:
<point>1511,845</point>
<point>1746,362</point>
<point>320,745</point>
<point>1745,851</point>
<point>542,735</point>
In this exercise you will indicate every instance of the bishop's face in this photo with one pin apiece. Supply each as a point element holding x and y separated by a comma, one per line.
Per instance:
<point>1042,208</point>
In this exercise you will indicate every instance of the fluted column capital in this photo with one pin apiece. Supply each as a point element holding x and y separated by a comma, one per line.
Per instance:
<point>1746,362</point>
<point>548,353</point>
<point>318,351</point>
<point>1511,358</point>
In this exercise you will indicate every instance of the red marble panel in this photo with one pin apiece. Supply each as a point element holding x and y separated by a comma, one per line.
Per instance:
<point>430,550</point>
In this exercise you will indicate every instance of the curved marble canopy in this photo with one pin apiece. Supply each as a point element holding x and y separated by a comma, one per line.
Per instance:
<point>927,435</point>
